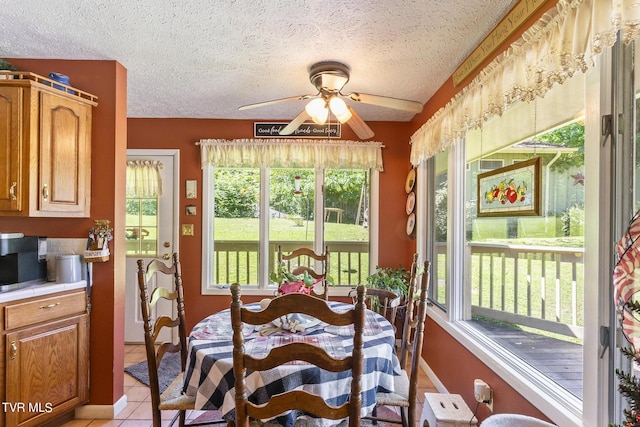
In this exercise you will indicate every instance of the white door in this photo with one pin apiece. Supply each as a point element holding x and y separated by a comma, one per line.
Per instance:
<point>151,232</point>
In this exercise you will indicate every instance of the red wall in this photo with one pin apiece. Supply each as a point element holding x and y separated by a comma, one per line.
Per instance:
<point>106,80</point>
<point>395,247</point>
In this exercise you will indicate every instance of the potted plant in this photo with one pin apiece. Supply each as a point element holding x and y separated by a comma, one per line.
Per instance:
<point>6,66</point>
<point>392,279</point>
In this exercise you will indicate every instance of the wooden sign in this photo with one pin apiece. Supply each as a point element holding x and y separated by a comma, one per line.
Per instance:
<point>520,13</point>
<point>306,130</point>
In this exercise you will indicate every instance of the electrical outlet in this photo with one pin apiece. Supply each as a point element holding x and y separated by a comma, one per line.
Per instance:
<point>483,393</point>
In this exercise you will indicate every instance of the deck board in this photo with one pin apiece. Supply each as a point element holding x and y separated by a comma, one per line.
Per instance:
<point>559,360</point>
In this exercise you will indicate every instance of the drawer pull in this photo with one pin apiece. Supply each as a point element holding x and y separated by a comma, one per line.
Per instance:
<point>12,190</point>
<point>14,350</point>
<point>45,192</point>
<point>44,307</point>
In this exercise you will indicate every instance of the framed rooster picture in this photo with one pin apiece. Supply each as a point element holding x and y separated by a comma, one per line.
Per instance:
<point>514,190</point>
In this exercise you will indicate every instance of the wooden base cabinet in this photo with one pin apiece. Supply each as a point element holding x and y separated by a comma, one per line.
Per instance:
<point>45,148</point>
<point>46,356</point>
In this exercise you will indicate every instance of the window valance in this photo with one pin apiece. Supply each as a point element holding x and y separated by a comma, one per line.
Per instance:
<point>291,153</point>
<point>564,41</point>
<point>143,178</point>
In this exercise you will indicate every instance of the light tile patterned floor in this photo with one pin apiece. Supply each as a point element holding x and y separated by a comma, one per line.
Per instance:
<point>138,410</point>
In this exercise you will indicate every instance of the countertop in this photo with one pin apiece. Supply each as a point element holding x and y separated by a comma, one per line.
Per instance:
<point>45,288</point>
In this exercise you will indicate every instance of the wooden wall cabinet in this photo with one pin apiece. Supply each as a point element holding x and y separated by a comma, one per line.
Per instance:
<point>46,358</point>
<point>45,148</point>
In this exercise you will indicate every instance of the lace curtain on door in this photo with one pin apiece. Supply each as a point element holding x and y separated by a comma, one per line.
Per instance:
<point>143,178</point>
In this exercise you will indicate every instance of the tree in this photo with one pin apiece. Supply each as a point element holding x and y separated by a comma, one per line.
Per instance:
<point>237,193</point>
<point>571,135</point>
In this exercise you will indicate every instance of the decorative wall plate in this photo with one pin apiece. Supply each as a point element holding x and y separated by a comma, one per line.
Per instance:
<point>411,202</point>
<point>411,181</point>
<point>411,224</point>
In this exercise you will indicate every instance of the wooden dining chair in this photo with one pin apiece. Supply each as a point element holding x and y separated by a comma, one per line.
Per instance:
<point>304,259</point>
<point>405,395</point>
<point>150,295</point>
<point>382,301</point>
<point>297,351</point>
<point>409,320</point>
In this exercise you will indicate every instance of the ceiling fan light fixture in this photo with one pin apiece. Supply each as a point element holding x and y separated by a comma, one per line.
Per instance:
<point>318,111</point>
<point>339,109</point>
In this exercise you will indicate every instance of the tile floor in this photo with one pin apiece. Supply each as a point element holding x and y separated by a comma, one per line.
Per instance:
<point>138,410</point>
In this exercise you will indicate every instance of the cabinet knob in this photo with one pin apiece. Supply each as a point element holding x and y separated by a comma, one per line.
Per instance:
<point>166,256</point>
<point>12,190</point>
<point>14,350</point>
<point>45,191</point>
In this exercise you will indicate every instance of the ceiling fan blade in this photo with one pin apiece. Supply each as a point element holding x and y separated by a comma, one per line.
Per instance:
<point>385,101</point>
<point>276,101</point>
<point>359,126</point>
<point>295,123</point>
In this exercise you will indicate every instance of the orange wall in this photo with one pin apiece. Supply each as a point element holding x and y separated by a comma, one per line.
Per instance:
<point>106,80</point>
<point>395,247</point>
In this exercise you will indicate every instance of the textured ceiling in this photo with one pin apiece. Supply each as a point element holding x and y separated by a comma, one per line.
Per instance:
<point>205,58</point>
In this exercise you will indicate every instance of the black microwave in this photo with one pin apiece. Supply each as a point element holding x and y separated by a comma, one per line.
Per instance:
<point>22,258</point>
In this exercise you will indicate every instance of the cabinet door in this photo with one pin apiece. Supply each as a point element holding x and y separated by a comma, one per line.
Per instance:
<point>65,156</point>
<point>46,371</point>
<point>11,149</point>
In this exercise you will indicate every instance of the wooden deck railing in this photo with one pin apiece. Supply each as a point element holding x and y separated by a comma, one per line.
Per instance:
<point>238,260</point>
<point>536,286</point>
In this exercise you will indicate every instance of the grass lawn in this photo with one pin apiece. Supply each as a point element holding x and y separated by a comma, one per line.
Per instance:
<point>286,229</point>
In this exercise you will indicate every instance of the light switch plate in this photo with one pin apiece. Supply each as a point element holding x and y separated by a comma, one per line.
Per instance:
<point>187,229</point>
<point>191,190</point>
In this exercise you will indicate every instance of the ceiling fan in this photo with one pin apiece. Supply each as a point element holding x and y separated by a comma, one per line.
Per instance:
<point>329,77</point>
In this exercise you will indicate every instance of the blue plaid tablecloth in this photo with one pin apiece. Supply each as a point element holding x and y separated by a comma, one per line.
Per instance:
<point>209,371</point>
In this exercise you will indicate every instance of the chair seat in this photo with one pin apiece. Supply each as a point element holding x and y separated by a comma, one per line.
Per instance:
<point>174,399</point>
<point>400,396</point>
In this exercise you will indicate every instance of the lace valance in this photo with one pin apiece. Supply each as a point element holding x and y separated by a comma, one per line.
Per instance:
<point>143,178</point>
<point>291,153</point>
<point>563,42</point>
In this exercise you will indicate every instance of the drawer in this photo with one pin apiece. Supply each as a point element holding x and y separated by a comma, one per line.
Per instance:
<point>44,309</point>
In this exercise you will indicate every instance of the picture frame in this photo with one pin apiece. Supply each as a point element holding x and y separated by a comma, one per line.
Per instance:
<point>514,190</point>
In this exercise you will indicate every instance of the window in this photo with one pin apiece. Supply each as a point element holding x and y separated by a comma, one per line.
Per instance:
<point>438,289</point>
<point>487,165</point>
<point>516,275</point>
<point>252,211</point>
<point>144,188</point>
<point>141,226</point>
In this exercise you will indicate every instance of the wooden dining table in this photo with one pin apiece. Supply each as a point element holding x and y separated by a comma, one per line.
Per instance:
<point>209,371</point>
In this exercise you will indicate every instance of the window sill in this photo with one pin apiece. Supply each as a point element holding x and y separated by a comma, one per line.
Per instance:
<point>562,407</point>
